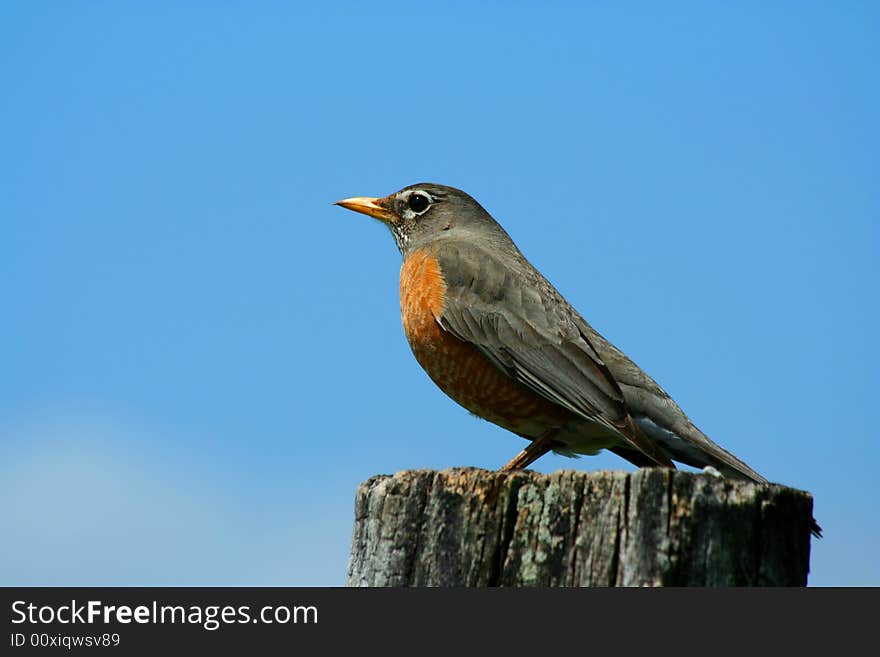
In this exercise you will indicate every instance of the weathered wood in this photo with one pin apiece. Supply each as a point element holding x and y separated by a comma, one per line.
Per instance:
<point>653,527</point>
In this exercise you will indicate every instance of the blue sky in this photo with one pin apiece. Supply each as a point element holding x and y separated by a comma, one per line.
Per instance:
<point>203,357</point>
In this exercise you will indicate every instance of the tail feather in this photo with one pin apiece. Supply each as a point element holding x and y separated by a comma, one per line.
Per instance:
<point>698,451</point>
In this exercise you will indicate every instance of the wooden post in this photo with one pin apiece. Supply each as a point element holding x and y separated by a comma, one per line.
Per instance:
<point>653,527</point>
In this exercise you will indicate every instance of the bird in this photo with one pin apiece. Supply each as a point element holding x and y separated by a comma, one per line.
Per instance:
<point>499,339</point>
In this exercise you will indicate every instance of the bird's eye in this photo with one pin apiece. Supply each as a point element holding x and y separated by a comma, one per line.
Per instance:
<point>418,202</point>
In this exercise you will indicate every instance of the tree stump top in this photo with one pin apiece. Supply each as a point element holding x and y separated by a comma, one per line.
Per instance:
<point>652,527</point>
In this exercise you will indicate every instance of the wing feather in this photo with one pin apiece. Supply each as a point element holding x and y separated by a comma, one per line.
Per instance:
<point>518,320</point>
<point>535,338</point>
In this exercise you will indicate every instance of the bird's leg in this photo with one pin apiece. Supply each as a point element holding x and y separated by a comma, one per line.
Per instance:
<point>535,450</point>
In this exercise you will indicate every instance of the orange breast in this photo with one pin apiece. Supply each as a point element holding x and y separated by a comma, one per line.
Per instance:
<point>457,367</point>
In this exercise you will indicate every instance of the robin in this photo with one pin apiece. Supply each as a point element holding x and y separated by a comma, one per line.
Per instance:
<point>500,340</point>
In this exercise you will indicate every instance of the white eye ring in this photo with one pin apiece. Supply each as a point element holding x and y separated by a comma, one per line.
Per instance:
<point>418,201</point>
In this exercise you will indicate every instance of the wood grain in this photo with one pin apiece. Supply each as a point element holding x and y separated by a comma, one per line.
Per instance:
<point>652,527</point>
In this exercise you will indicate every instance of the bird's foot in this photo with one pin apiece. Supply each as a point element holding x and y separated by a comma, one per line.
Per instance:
<point>535,450</point>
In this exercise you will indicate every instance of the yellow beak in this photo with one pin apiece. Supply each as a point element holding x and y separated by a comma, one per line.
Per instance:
<point>368,205</point>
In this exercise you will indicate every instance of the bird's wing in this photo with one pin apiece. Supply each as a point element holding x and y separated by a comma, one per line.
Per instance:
<point>528,331</point>
<point>652,407</point>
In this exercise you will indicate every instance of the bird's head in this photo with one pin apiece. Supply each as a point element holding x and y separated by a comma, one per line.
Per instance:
<point>422,213</point>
